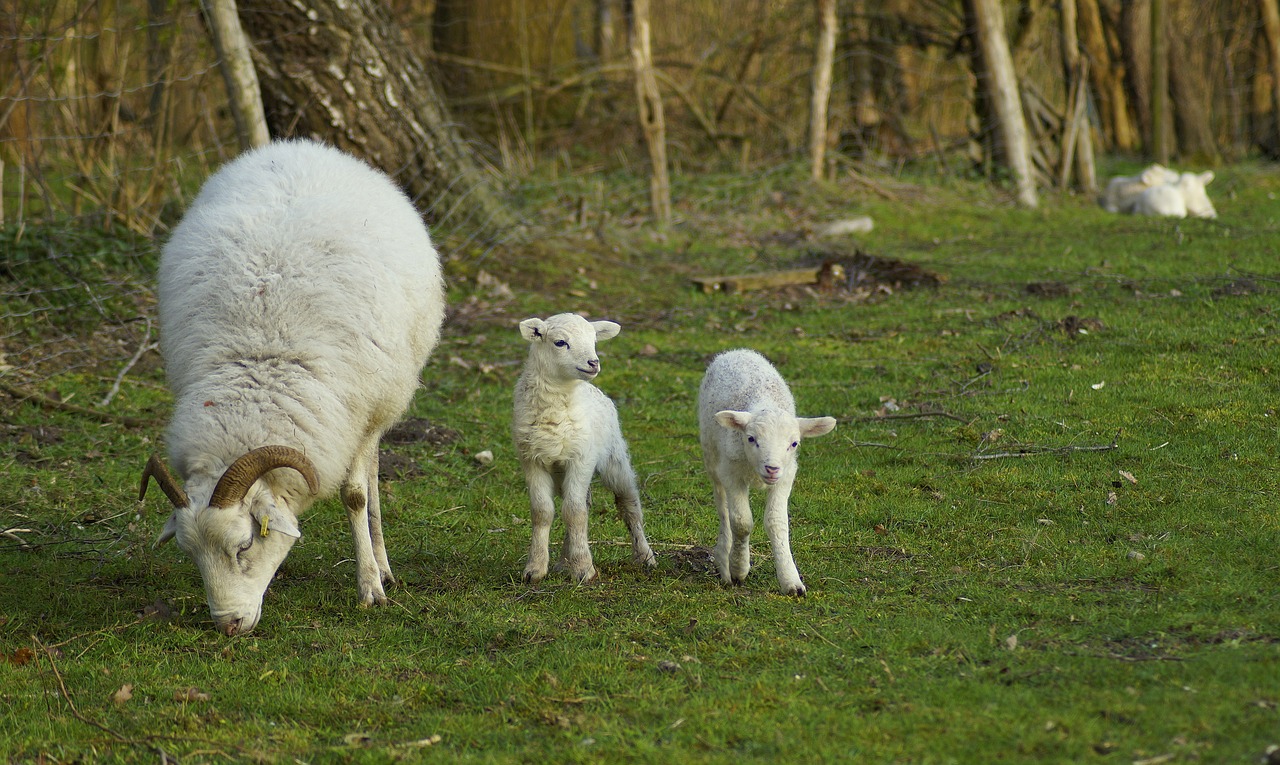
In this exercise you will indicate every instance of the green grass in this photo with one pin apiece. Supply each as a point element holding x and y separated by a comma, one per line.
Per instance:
<point>963,606</point>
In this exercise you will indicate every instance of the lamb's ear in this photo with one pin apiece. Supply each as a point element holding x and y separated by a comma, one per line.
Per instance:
<point>815,426</point>
<point>170,530</point>
<point>734,420</point>
<point>1154,175</point>
<point>531,329</point>
<point>1206,178</point>
<point>606,329</point>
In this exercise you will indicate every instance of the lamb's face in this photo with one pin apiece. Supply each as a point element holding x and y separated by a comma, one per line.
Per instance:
<point>564,346</point>
<point>238,550</point>
<point>770,439</point>
<point>1193,191</point>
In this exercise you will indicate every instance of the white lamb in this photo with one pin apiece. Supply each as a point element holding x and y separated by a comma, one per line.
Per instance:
<point>1123,191</point>
<point>565,431</point>
<point>1177,199</point>
<point>299,298</point>
<point>750,433</point>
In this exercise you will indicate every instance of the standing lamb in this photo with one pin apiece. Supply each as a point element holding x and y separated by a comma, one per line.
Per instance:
<point>1123,191</point>
<point>300,297</point>
<point>566,430</point>
<point>1179,198</point>
<point>750,433</point>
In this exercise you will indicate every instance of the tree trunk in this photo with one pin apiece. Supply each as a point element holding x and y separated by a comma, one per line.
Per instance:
<point>1271,25</point>
<point>1135,47</point>
<point>1001,85</point>
<point>1188,68</point>
<point>823,61</point>
<point>337,70</point>
<point>1107,74</point>
<point>1077,81</point>
<point>1160,143</point>
<point>652,121</point>
<point>243,92</point>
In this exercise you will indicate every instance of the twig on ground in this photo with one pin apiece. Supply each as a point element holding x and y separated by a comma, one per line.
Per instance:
<point>913,416</point>
<point>1035,451</point>
<point>145,346</point>
<point>22,394</point>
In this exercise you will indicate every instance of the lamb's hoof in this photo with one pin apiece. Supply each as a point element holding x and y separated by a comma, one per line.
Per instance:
<point>533,577</point>
<point>585,577</point>
<point>738,581</point>
<point>373,599</point>
<point>649,561</point>
<point>797,591</point>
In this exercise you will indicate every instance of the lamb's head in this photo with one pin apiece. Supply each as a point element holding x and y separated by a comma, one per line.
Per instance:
<point>1158,175</point>
<point>236,529</point>
<point>770,438</point>
<point>563,347</point>
<point>1192,187</point>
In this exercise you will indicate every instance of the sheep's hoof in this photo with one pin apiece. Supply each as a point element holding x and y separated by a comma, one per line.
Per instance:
<point>738,581</point>
<point>650,561</point>
<point>798,591</point>
<point>533,577</point>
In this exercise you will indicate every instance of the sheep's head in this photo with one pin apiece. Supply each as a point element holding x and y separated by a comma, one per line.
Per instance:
<point>1193,191</point>
<point>236,530</point>
<point>1158,175</point>
<point>564,346</point>
<point>770,439</point>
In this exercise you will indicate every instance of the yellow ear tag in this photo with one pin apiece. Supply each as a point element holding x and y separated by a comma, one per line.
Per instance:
<point>264,531</point>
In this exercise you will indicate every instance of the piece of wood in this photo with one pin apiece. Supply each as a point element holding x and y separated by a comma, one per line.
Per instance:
<point>1001,86</point>
<point>243,90</point>
<point>746,282</point>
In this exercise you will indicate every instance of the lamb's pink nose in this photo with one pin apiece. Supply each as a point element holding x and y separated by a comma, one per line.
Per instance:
<point>771,473</point>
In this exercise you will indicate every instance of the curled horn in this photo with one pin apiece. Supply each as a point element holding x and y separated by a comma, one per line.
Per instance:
<point>241,474</point>
<point>156,469</point>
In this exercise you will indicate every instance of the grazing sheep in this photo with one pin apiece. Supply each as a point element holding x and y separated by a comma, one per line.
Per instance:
<point>1178,199</point>
<point>1123,191</point>
<point>299,298</point>
<point>750,433</point>
<point>566,430</point>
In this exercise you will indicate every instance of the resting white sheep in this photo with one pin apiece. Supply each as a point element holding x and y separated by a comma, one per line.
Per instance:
<point>1122,192</point>
<point>1177,199</point>
<point>750,433</point>
<point>299,298</point>
<point>566,430</point>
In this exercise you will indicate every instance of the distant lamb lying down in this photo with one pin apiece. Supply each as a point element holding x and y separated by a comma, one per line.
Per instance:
<point>1123,191</point>
<point>750,433</point>
<point>1179,199</point>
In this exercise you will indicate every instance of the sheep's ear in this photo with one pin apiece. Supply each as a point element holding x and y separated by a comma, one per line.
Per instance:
<point>816,426</point>
<point>606,329</point>
<point>272,520</point>
<point>1154,175</point>
<point>1206,178</point>
<point>531,329</point>
<point>170,530</point>
<point>734,420</point>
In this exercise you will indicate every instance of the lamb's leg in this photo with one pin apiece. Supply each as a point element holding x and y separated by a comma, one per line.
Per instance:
<point>733,548</point>
<point>619,478</point>
<point>541,510</point>
<point>575,554</point>
<point>355,497</point>
<point>777,525</point>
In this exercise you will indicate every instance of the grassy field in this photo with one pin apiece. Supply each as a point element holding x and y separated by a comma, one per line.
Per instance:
<point>1045,529</point>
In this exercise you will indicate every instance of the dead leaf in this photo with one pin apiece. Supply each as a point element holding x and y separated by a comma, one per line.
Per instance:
<point>21,656</point>
<point>1126,475</point>
<point>123,695</point>
<point>358,739</point>
<point>1112,498</point>
<point>1011,642</point>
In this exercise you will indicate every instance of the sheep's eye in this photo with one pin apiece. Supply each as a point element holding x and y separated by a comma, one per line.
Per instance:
<point>562,343</point>
<point>244,548</point>
<point>751,439</point>
<point>794,444</point>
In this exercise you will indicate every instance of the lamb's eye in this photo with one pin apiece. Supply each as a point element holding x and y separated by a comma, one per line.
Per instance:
<point>751,439</point>
<point>562,343</point>
<point>794,444</point>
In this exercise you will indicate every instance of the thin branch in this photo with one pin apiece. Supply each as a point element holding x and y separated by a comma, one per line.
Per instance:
<point>913,416</point>
<point>146,345</point>
<point>23,394</point>
<point>1035,451</point>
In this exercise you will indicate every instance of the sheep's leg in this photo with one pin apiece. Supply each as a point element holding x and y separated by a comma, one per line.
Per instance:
<point>777,525</point>
<point>621,480</point>
<point>575,554</point>
<point>733,548</point>
<point>355,497</point>
<point>541,510</point>
<point>375,522</point>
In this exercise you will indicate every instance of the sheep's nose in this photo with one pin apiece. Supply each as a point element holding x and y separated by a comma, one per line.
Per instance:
<point>232,627</point>
<point>772,472</point>
<point>593,363</point>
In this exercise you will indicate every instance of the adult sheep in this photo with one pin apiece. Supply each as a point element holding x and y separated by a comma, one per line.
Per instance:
<point>300,297</point>
<point>750,433</point>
